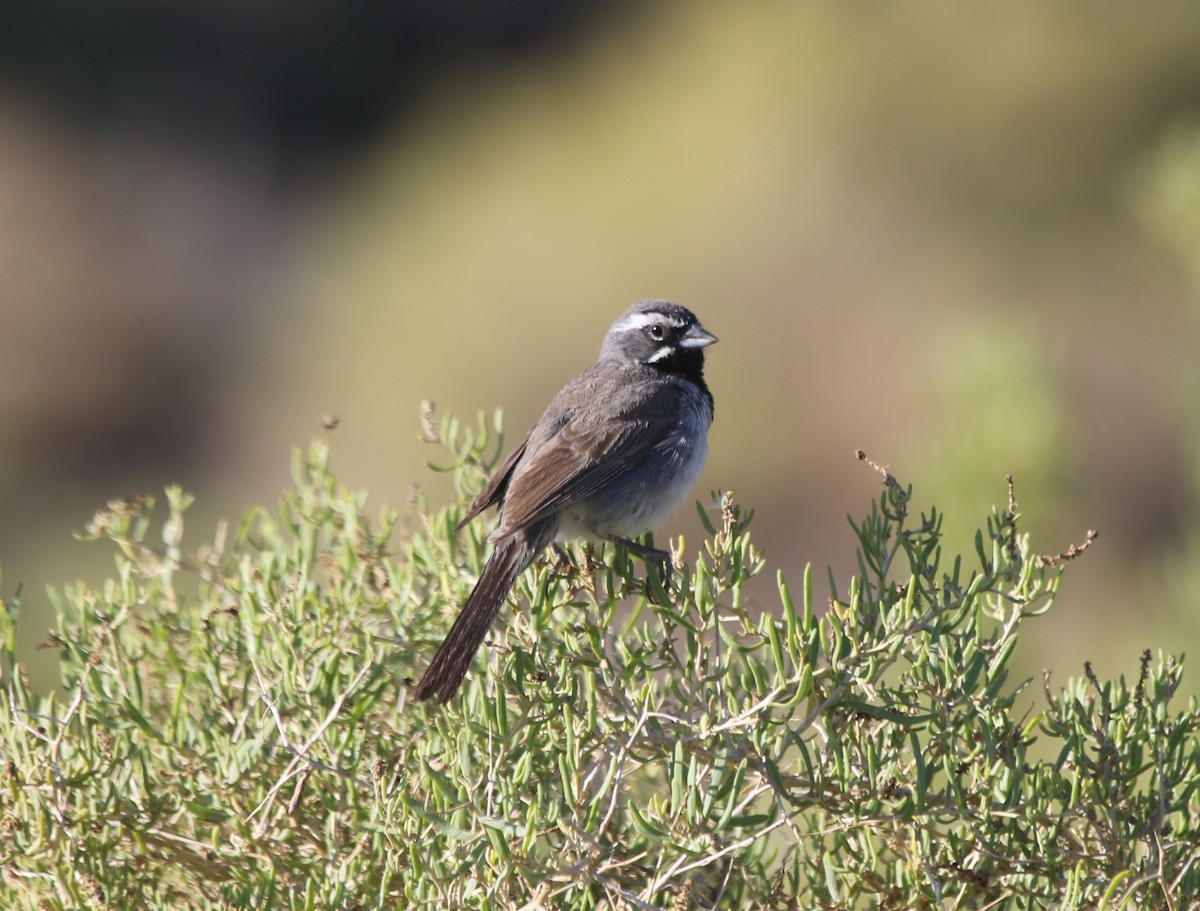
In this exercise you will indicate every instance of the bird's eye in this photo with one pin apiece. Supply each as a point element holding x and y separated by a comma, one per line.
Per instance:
<point>657,332</point>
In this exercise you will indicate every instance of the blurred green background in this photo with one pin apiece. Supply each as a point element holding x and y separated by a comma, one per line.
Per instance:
<point>965,238</point>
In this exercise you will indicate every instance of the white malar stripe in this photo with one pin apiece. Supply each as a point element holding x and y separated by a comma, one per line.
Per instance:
<point>649,318</point>
<point>664,351</point>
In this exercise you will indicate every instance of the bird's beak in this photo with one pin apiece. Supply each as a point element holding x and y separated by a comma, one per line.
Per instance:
<point>697,337</point>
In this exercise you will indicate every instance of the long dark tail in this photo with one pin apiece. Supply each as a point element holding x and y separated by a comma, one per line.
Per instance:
<point>453,658</point>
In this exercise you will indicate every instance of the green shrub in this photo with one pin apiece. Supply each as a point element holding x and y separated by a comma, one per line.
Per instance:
<point>233,728</point>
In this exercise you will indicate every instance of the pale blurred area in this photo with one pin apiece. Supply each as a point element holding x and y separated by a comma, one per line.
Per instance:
<point>956,236</point>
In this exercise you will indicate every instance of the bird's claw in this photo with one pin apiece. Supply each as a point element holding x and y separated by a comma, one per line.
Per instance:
<point>653,557</point>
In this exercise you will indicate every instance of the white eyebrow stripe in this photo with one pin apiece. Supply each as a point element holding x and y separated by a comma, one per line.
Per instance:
<point>642,320</point>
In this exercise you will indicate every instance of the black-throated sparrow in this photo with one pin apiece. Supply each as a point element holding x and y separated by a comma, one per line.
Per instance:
<point>613,455</point>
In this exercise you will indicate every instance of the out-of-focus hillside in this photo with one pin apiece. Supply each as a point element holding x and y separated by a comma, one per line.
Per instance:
<point>939,233</point>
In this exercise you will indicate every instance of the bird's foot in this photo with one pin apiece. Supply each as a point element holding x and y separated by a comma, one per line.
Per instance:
<point>578,573</point>
<point>562,564</point>
<point>652,556</point>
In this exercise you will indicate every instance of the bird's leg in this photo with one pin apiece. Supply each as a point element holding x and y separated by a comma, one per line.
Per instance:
<point>651,555</point>
<point>578,574</point>
<point>590,563</point>
<point>562,564</point>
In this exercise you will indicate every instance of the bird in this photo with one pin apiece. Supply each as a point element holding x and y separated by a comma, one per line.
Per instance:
<point>614,455</point>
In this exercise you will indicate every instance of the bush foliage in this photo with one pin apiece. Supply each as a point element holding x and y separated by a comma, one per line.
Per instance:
<point>233,727</point>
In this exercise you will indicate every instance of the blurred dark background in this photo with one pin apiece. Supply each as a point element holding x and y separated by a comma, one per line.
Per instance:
<point>963,238</point>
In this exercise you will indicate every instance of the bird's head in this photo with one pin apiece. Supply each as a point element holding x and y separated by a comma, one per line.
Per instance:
<point>659,334</point>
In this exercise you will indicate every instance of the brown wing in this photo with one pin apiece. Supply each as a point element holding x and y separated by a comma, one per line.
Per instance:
<point>593,445</point>
<point>493,491</point>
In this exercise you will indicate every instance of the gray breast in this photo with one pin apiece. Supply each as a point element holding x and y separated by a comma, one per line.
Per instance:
<point>649,493</point>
